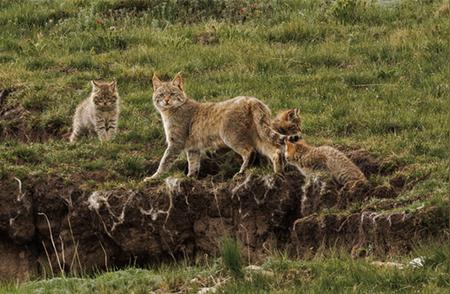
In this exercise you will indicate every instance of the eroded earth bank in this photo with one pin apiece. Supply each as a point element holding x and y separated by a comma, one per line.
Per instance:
<point>51,224</point>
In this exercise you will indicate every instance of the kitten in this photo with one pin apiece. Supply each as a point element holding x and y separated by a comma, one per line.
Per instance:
<point>304,156</point>
<point>241,123</point>
<point>287,122</point>
<point>98,113</point>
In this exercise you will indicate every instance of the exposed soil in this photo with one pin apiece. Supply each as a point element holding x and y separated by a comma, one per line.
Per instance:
<point>51,225</point>
<point>16,122</point>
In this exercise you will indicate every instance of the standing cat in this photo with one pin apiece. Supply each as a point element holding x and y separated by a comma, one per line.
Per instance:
<point>303,156</point>
<point>99,112</point>
<point>241,123</point>
<point>287,122</point>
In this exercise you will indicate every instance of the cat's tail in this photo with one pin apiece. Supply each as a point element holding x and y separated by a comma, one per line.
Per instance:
<point>261,118</point>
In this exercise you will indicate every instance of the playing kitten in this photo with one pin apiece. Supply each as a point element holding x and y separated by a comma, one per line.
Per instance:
<point>287,122</point>
<point>304,156</point>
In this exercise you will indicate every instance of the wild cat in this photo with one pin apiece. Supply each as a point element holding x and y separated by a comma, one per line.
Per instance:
<point>241,123</point>
<point>99,112</point>
<point>287,122</point>
<point>343,170</point>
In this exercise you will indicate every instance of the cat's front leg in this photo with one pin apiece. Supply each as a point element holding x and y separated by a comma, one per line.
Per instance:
<point>193,157</point>
<point>111,132</point>
<point>100,129</point>
<point>169,157</point>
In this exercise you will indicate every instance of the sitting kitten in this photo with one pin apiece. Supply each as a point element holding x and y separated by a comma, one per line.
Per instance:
<point>287,122</point>
<point>99,112</point>
<point>304,156</point>
<point>241,123</point>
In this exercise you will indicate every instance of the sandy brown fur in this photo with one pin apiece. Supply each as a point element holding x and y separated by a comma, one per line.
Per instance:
<point>287,122</point>
<point>345,172</point>
<point>241,123</point>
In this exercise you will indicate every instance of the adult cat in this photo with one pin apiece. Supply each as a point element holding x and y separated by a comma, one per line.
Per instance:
<point>241,123</point>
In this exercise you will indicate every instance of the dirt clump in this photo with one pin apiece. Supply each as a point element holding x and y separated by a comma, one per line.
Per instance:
<point>17,122</point>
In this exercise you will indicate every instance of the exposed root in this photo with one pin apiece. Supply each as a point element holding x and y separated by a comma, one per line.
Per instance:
<point>53,243</point>
<point>20,194</point>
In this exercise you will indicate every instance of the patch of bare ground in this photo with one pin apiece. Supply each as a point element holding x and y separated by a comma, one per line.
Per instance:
<point>16,122</point>
<point>52,225</point>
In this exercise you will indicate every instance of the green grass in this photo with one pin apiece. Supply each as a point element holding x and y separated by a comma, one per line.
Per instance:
<point>231,257</point>
<point>371,76</point>
<point>332,273</point>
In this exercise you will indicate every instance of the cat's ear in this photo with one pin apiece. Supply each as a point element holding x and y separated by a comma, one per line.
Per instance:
<point>293,114</point>
<point>156,82</point>
<point>113,85</point>
<point>178,81</point>
<point>95,85</point>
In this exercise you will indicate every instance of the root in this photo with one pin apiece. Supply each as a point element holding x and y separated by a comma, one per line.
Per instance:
<point>20,194</point>
<point>76,256</point>
<point>53,243</point>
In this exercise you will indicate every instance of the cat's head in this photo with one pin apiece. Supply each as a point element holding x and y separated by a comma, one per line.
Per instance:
<point>105,94</point>
<point>288,122</point>
<point>294,147</point>
<point>168,95</point>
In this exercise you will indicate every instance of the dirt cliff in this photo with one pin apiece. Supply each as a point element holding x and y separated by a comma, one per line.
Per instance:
<point>51,225</point>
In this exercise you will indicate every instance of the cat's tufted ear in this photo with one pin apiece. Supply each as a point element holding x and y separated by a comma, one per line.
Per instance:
<point>95,85</point>
<point>178,81</point>
<point>293,114</point>
<point>156,82</point>
<point>113,85</point>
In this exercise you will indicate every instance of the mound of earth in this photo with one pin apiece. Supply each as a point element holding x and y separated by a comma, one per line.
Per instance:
<point>16,122</point>
<point>51,225</point>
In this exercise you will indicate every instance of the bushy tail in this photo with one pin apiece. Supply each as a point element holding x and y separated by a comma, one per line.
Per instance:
<point>261,118</point>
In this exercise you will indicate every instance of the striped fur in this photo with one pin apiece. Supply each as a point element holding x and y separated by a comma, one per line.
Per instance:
<point>304,156</point>
<point>98,113</point>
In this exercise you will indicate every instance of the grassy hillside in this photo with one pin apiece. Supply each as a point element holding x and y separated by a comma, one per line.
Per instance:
<point>363,75</point>
<point>368,76</point>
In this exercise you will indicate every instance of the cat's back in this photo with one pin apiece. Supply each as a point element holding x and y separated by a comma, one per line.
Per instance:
<point>340,165</point>
<point>236,104</point>
<point>234,111</point>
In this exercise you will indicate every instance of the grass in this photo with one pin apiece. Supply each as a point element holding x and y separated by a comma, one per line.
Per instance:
<point>334,272</point>
<point>231,257</point>
<point>368,75</point>
<point>348,68</point>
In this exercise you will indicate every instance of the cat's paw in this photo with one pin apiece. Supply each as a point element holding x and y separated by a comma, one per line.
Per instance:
<point>153,177</point>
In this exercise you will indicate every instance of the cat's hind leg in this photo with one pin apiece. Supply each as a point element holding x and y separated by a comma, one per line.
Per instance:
<point>239,145</point>
<point>76,133</point>
<point>273,153</point>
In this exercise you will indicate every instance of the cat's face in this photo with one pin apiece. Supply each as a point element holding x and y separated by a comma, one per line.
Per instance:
<point>288,122</point>
<point>168,95</point>
<point>105,94</point>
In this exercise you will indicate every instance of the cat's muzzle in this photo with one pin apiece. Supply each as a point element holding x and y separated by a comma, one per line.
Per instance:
<point>295,138</point>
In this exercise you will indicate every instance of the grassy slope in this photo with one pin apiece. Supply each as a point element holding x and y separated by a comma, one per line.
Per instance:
<point>375,78</point>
